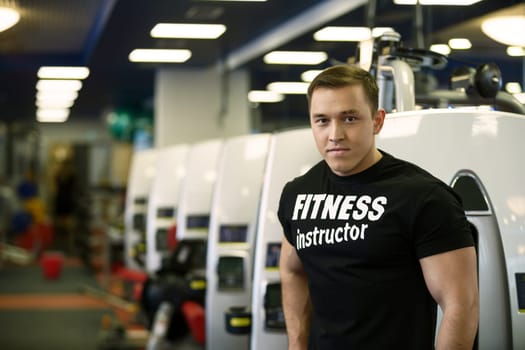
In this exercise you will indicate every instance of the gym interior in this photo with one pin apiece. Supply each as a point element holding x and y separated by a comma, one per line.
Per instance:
<point>143,213</point>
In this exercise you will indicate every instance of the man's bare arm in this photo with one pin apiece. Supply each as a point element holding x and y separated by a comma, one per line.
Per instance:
<point>452,280</point>
<point>296,298</point>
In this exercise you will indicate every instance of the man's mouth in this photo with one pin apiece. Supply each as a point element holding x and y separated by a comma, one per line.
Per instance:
<point>338,149</point>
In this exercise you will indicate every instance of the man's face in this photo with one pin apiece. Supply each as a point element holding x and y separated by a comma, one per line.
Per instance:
<point>344,129</point>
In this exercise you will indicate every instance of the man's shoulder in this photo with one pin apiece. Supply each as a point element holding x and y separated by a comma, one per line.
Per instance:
<point>407,167</point>
<point>402,173</point>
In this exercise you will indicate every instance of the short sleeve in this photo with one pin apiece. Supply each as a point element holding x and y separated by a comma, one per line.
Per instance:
<point>283,212</point>
<point>440,224</point>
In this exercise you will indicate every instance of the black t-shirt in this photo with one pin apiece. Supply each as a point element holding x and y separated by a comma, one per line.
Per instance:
<point>359,238</point>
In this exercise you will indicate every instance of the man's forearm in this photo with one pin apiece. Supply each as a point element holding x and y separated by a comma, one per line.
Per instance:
<point>458,328</point>
<point>297,310</point>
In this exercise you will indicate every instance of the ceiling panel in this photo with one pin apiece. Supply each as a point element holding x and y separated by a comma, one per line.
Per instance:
<point>101,33</point>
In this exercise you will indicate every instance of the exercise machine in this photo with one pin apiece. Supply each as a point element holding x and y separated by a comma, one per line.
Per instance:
<point>229,267</point>
<point>173,297</point>
<point>163,204</point>
<point>141,174</point>
<point>284,163</point>
<point>478,152</point>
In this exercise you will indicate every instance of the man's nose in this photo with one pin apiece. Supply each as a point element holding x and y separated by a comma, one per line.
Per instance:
<point>336,132</point>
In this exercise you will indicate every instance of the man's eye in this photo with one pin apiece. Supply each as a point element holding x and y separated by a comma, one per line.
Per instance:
<point>350,119</point>
<point>320,121</point>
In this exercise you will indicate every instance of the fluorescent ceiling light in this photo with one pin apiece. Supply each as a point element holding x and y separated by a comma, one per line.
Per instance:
<point>437,2</point>
<point>505,30</point>
<point>309,75</point>
<point>516,51</point>
<point>443,49</point>
<point>54,104</point>
<point>8,18</point>
<point>58,84</point>
<point>52,115</point>
<point>49,95</point>
<point>287,87</point>
<point>57,72</point>
<point>159,55</point>
<point>459,44</point>
<point>295,57</point>
<point>264,96</point>
<point>187,30</point>
<point>333,33</point>
<point>346,33</point>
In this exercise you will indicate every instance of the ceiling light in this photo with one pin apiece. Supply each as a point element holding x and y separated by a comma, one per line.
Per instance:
<point>334,33</point>
<point>295,57</point>
<point>54,104</point>
<point>513,87</point>
<point>8,18</point>
<point>516,51</point>
<point>437,2</point>
<point>57,72</point>
<point>58,85</point>
<point>309,75</point>
<point>264,96</point>
<point>188,31</point>
<point>64,95</point>
<point>505,30</point>
<point>159,55</point>
<point>52,115</point>
<point>287,87</point>
<point>459,44</point>
<point>345,33</point>
<point>443,49</point>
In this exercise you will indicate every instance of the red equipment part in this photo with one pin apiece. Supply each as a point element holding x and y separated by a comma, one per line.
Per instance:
<point>195,318</point>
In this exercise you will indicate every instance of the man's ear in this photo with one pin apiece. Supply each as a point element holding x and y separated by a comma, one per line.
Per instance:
<point>379,120</point>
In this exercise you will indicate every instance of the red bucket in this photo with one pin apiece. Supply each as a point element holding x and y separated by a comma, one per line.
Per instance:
<point>52,263</point>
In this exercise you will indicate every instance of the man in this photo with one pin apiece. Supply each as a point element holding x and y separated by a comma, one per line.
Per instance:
<point>371,242</point>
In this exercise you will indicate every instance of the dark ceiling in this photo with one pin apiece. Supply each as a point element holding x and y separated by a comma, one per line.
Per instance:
<point>101,33</point>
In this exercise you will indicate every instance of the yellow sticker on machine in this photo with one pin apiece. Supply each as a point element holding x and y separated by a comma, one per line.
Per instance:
<point>198,284</point>
<point>240,321</point>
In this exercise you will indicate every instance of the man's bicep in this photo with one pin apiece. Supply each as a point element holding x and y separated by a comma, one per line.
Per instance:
<point>289,261</point>
<point>451,276</point>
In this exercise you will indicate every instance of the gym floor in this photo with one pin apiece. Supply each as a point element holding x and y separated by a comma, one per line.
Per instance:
<point>38,312</point>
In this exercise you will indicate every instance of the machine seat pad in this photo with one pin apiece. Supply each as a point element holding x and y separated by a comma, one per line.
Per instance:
<point>195,318</point>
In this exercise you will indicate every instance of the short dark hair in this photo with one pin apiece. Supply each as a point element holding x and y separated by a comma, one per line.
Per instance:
<point>346,75</point>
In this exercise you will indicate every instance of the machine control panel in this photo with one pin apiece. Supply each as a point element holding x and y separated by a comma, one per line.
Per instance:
<point>198,221</point>
<point>233,233</point>
<point>139,215</point>
<point>166,212</point>
<point>520,286</point>
<point>231,273</point>
<point>273,254</point>
<point>273,310</point>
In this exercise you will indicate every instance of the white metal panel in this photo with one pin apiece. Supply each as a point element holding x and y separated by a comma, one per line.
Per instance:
<point>235,201</point>
<point>164,193</point>
<point>197,186</point>
<point>291,154</point>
